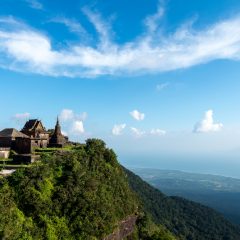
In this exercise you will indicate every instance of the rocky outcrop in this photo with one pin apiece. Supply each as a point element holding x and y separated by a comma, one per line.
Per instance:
<point>125,228</point>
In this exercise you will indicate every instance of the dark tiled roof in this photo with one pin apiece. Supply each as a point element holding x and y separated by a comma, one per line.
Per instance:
<point>30,124</point>
<point>12,133</point>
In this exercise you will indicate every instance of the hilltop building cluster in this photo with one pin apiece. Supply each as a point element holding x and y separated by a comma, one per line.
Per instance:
<point>33,135</point>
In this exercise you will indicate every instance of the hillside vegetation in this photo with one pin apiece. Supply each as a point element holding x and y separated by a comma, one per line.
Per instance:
<point>85,194</point>
<point>218,192</point>
<point>186,219</point>
<point>79,194</point>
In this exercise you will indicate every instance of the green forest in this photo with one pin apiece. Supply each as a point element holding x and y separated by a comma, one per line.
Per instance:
<point>186,219</point>
<point>82,194</point>
<point>85,193</point>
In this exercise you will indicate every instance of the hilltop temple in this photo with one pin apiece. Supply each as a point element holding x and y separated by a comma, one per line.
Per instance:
<point>33,135</point>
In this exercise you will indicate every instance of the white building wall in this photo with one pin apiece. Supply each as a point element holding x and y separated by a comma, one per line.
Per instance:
<point>4,153</point>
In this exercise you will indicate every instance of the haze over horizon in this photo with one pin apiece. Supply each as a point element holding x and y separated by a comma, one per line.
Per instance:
<point>157,80</point>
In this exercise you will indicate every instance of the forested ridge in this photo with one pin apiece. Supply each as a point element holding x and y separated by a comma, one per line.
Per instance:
<point>217,192</point>
<point>186,219</point>
<point>86,194</point>
<point>79,194</point>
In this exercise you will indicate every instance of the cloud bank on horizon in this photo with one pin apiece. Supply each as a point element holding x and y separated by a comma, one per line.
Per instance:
<point>25,49</point>
<point>73,125</point>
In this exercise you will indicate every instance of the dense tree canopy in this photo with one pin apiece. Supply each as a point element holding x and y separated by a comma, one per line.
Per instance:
<point>186,219</point>
<point>77,195</point>
<point>84,194</point>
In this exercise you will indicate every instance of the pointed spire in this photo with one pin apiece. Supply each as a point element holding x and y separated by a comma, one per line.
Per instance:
<point>57,121</point>
<point>57,139</point>
<point>58,128</point>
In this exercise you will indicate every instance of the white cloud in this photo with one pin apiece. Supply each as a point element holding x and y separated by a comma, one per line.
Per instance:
<point>152,21</point>
<point>161,86</point>
<point>25,49</point>
<point>66,115</point>
<point>137,132</point>
<point>72,122</point>
<point>21,117</point>
<point>207,124</point>
<point>158,132</point>
<point>64,133</point>
<point>155,132</point>
<point>102,27</point>
<point>83,116</point>
<point>137,115</point>
<point>77,128</point>
<point>118,128</point>
<point>34,4</point>
<point>71,24</point>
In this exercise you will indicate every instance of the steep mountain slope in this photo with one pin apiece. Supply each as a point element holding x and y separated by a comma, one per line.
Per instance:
<point>218,192</point>
<point>186,219</point>
<point>78,194</point>
<point>84,194</point>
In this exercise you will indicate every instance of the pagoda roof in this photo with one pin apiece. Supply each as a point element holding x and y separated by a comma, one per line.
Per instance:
<point>31,124</point>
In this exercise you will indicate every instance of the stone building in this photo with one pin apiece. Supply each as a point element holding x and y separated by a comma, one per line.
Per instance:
<point>33,135</point>
<point>8,137</point>
<point>4,152</point>
<point>57,139</point>
<point>23,145</point>
<point>37,133</point>
<point>11,139</point>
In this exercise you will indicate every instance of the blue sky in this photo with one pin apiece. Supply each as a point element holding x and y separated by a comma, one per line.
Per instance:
<point>157,80</point>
